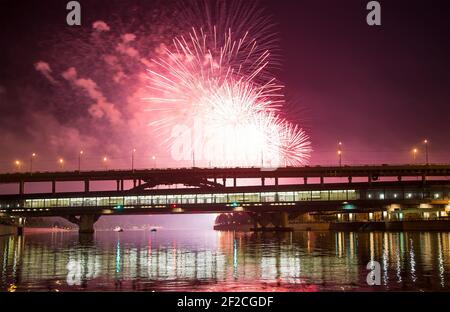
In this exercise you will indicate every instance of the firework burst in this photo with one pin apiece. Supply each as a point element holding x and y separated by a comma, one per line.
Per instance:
<point>221,89</point>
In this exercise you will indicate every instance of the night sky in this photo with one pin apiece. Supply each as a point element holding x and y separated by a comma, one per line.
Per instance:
<point>379,90</point>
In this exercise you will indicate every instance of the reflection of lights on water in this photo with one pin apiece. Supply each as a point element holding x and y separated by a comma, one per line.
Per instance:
<point>118,257</point>
<point>402,243</point>
<point>352,244</point>
<point>385,257</point>
<point>441,261</point>
<point>235,258</point>
<point>399,268</point>
<point>340,240</point>
<point>371,244</point>
<point>413,262</point>
<point>266,261</point>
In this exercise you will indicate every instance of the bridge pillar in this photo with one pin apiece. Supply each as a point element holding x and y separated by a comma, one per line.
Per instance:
<point>234,182</point>
<point>276,181</point>
<point>53,186</point>
<point>21,187</point>
<point>350,180</point>
<point>121,185</point>
<point>224,182</point>
<point>284,219</point>
<point>86,224</point>
<point>134,183</point>
<point>86,186</point>
<point>118,185</point>
<point>271,221</point>
<point>263,181</point>
<point>321,180</point>
<point>305,180</point>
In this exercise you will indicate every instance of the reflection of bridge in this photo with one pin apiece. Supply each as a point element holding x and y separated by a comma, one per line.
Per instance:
<point>274,192</point>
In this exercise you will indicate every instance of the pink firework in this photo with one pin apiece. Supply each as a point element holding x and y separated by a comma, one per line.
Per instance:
<point>223,94</point>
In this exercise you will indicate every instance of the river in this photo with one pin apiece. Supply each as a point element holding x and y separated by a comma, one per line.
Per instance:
<point>205,260</point>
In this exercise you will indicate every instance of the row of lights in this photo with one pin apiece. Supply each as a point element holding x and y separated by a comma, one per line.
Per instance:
<point>415,151</point>
<point>18,164</point>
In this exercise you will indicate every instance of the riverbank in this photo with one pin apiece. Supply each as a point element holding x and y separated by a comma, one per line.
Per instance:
<point>28,230</point>
<point>409,225</point>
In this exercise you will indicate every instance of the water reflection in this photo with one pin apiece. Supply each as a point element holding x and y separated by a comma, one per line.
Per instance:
<point>209,261</point>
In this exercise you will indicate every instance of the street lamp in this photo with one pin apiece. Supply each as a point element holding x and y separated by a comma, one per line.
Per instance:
<point>18,164</point>
<point>132,159</point>
<point>61,163</point>
<point>340,153</point>
<point>426,151</point>
<point>33,156</point>
<point>105,162</point>
<point>154,161</point>
<point>79,160</point>
<point>415,151</point>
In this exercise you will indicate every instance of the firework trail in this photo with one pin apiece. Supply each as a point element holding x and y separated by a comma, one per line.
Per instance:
<point>221,88</point>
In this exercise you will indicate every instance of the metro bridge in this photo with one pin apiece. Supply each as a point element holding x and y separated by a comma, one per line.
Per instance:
<point>260,192</point>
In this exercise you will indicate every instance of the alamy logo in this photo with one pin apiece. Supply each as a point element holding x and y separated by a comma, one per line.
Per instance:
<point>74,16</point>
<point>374,276</point>
<point>374,16</point>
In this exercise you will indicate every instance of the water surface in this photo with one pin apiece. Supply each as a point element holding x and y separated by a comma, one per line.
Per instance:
<point>224,261</point>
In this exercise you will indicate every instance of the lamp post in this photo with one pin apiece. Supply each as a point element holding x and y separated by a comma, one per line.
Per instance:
<point>79,160</point>
<point>340,153</point>
<point>426,151</point>
<point>415,151</point>
<point>61,163</point>
<point>105,162</point>
<point>33,156</point>
<point>18,164</point>
<point>132,159</point>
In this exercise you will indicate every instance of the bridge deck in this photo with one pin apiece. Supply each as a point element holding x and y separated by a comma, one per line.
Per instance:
<point>356,197</point>
<point>230,173</point>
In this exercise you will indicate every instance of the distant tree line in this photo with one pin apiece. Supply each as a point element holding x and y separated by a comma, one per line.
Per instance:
<point>237,218</point>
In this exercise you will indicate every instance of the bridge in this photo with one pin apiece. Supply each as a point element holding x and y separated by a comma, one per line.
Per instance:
<point>276,193</point>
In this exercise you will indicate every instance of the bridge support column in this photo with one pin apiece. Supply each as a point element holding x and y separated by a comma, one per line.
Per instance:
<point>263,181</point>
<point>284,219</point>
<point>86,225</point>
<point>118,185</point>
<point>86,186</point>
<point>53,186</point>
<point>224,182</point>
<point>21,187</point>
<point>271,221</point>
<point>305,180</point>
<point>350,180</point>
